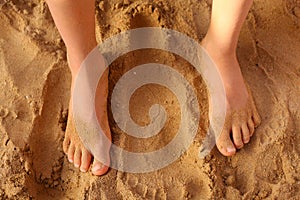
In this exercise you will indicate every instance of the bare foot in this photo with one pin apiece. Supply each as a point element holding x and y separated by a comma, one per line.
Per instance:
<point>72,145</point>
<point>242,116</point>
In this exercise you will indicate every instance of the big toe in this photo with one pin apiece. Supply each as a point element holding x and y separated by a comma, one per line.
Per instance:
<point>98,168</point>
<point>225,145</point>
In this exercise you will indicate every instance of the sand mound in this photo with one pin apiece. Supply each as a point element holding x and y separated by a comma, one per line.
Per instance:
<point>34,95</point>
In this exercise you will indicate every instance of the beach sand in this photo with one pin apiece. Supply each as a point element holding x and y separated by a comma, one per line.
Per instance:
<point>34,97</point>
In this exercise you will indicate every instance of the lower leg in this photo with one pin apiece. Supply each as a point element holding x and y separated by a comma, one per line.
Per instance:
<point>75,21</point>
<point>227,19</point>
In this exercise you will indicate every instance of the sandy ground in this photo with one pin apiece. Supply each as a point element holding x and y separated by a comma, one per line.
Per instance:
<point>34,96</point>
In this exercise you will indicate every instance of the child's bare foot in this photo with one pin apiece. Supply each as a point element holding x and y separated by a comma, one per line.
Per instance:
<point>72,145</point>
<point>242,116</point>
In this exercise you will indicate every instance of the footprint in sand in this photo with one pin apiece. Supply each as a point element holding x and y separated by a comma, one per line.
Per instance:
<point>269,167</point>
<point>161,187</point>
<point>45,143</point>
<point>131,185</point>
<point>162,184</point>
<point>34,81</point>
<point>135,186</point>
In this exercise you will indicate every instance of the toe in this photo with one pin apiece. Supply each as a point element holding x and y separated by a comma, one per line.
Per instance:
<point>251,127</point>
<point>85,160</point>
<point>71,152</point>
<point>66,144</point>
<point>77,157</point>
<point>225,145</point>
<point>246,133</point>
<point>237,137</point>
<point>98,168</point>
<point>256,118</point>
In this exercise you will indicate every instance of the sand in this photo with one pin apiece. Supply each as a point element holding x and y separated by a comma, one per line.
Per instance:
<point>34,97</point>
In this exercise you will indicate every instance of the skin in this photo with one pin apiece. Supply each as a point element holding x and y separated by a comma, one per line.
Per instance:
<point>221,42</point>
<point>75,21</point>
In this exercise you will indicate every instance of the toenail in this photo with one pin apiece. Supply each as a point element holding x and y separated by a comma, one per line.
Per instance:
<point>70,160</point>
<point>83,170</point>
<point>230,150</point>
<point>76,165</point>
<point>97,167</point>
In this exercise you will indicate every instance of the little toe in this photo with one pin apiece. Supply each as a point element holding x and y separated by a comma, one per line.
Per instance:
<point>237,137</point>
<point>66,144</point>
<point>246,133</point>
<point>85,160</point>
<point>256,118</point>
<point>98,168</point>
<point>251,127</point>
<point>225,145</point>
<point>77,157</point>
<point>71,152</point>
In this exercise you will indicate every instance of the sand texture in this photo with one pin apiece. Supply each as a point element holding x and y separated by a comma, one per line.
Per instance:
<point>35,93</point>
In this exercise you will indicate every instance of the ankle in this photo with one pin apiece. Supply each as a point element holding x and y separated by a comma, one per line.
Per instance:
<point>220,48</point>
<point>76,56</point>
<point>74,64</point>
<point>75,61</point>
